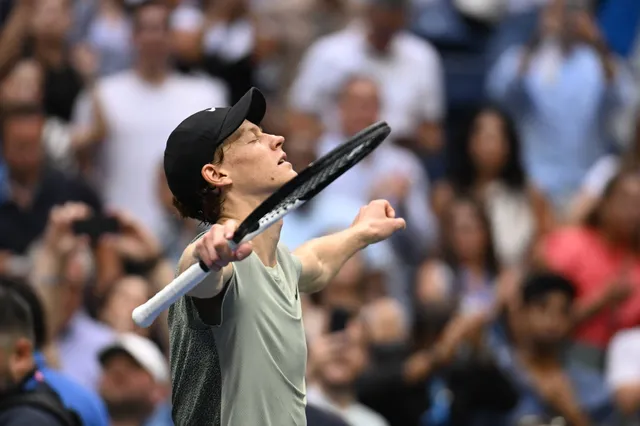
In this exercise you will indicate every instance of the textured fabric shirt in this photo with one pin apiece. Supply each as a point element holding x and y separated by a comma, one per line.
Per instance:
<point>249,369</point>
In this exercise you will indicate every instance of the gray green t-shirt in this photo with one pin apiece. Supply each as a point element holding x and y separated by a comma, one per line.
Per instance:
<point>249,368</point>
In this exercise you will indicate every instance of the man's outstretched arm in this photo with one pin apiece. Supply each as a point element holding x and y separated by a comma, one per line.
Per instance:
<point>323,257</point>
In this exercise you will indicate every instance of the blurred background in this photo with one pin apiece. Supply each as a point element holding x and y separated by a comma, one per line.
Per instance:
<point>512,298</point>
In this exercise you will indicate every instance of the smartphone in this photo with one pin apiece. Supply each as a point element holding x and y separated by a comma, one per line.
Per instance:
<point>339,320</point>
<point>96,226</point>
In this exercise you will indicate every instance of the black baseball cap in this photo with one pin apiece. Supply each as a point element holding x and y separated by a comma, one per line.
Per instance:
<point>194,142</point>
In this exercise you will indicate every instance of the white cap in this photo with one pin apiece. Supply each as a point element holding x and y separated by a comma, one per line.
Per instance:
<point>143,351</point>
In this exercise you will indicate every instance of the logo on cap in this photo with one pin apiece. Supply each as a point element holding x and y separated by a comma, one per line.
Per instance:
<point>210,109</point>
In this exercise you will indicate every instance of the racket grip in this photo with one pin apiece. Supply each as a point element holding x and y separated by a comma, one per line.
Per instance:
<point>145,314</point>
<point>233,246</point>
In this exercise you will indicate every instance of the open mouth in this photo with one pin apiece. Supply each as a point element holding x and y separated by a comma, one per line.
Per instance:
<point>283,159</point>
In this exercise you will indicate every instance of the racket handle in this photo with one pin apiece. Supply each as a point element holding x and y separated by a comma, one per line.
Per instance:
<point>145,314</point>
<point>233,246</point>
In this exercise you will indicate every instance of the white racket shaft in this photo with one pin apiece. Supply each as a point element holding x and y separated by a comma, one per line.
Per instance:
<point>145,314</point>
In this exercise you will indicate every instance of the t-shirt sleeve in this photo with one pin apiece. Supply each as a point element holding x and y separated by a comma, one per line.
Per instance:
<point>622,361</point>
<point>28,416</point>
<point>289,262</point>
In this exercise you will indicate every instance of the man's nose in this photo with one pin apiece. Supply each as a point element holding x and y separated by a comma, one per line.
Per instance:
<point>276,142</point>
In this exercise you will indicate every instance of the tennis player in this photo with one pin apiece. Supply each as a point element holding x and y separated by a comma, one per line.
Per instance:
<point>238,349</point>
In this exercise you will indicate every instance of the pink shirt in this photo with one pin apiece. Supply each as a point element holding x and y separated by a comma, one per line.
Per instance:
<point>583,256</point>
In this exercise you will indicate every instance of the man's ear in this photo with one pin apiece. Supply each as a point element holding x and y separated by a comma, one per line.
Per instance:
<point>21,361</point>
<point>215,175</point>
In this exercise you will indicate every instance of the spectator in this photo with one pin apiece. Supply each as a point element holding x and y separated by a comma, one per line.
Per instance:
<point>469,270</point>
<point>143,105</point>
<point>395,380</point>
<point>108,37</point>
<point>222,37</point>
<point>623,375</point>
<point>563,88</point>
<point>132,252</point>
<point>20,376</point>
<point>121,299</point>
<point>85,402</point>
<point>390,172</point>
<point>51,22</point>
<point>40,29</point>
<point>34,187</point>
<point>486,164</point>
<point>63,269</point>
<point>338,359</point>
<point>600,257</point>
<point>135,382</point>
<point>294,25</point>
<point>407,68</point>
<point>25,86</point>
<point>549,384</point>
<point>601,174</point>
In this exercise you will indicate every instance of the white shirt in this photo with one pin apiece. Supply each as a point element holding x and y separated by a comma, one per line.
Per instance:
<point>139,118</point>
<point>623,359</point>
<point>355,414</point>
<point>513,223</point>
<point>410,77</point>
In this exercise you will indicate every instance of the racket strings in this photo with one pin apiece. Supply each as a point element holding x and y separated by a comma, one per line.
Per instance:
<point>317,176</point>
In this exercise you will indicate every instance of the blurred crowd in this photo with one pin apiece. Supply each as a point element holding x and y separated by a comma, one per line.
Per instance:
<point>513,296</point>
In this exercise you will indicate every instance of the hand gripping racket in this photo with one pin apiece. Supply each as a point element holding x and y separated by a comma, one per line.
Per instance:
<point>317,176</point>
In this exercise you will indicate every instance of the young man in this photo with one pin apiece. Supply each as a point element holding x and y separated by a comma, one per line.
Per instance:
<point>549,383</point>
<point>238,350</point>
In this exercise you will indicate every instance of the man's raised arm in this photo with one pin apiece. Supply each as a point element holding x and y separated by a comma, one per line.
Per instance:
<point>323,257</point>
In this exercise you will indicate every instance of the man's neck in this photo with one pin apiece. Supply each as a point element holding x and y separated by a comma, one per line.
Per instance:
<point>154,75</point>
<point>342,397</point>
<point>265,244</point>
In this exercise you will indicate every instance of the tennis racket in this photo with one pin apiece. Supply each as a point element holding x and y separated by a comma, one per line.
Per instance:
<point>317,176</point>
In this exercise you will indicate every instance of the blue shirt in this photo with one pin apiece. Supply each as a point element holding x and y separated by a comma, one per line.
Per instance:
<point>86,403</point>
<point>160,417</point>
<point>562,115</point>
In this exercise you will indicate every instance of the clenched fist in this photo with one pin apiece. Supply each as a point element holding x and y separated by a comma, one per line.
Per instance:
<point>377,221</point>
<point>213,248</point>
